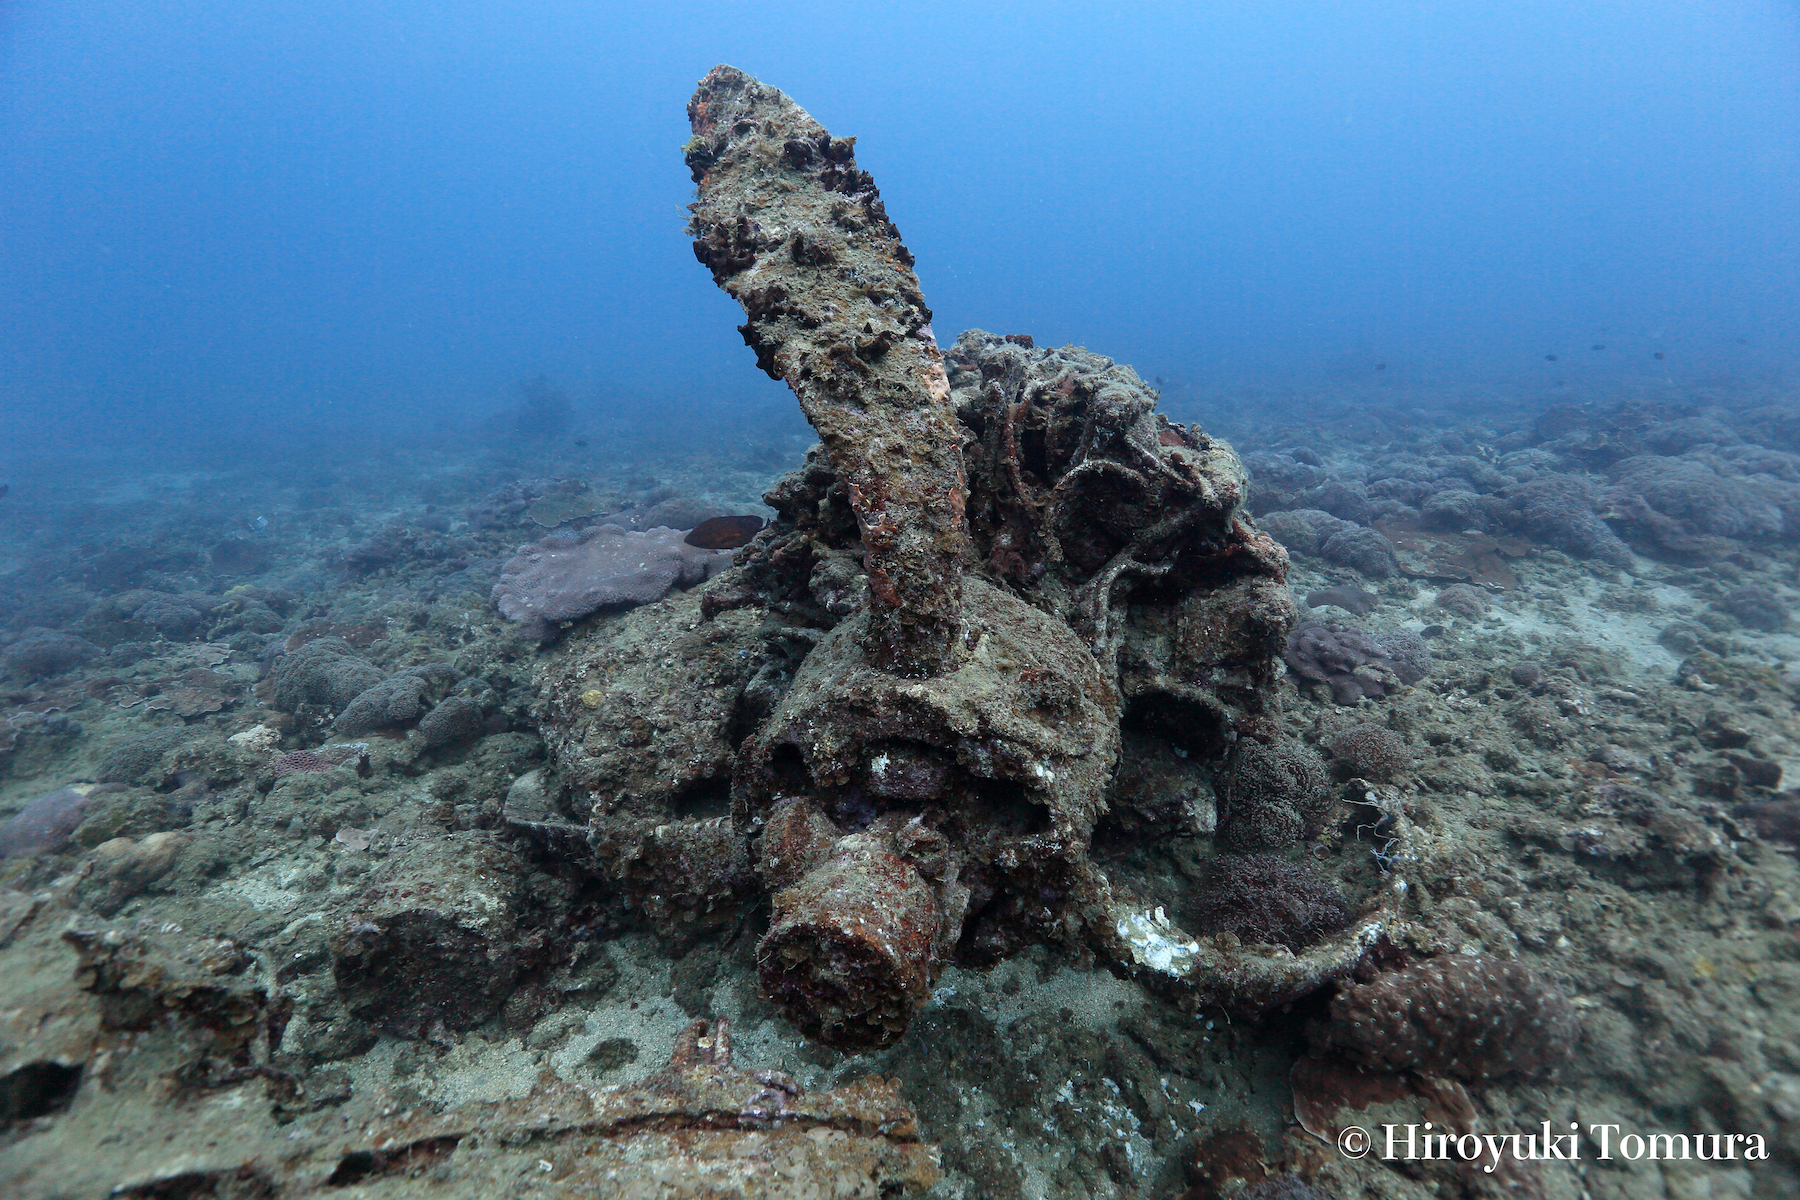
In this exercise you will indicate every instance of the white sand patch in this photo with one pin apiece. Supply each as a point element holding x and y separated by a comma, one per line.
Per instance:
<point>480,1070</point>
<point>272,889</point>
<point>651,1025</point>
<point>1095,999</point>
<point>1574,611</point>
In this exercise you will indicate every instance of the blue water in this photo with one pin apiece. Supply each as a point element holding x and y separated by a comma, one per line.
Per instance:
<point>377,219</point>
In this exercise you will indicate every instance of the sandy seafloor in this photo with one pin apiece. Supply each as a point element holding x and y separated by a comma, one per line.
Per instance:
<point>1666,668</point>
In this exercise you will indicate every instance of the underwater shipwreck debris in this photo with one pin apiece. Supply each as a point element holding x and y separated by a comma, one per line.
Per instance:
<point>899,715</point>
<point>989,777</point>
<point>834,309</point>
<point>435,939</point>
<point>1047,561</point>
<point>700,1127</point>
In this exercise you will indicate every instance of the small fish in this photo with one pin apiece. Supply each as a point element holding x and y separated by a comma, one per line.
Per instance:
<point>1598,346</point>
<point>1549,358</point>
<point>723,533</point>
<point>5,488</point>
<point>1658,354</point>
<point>582,442</point>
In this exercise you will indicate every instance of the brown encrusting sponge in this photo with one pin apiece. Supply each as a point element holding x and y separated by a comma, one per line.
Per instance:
<point>1459,1015</point>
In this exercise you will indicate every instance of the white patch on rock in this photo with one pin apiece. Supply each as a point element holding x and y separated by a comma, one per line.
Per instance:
<point>1157,944</point>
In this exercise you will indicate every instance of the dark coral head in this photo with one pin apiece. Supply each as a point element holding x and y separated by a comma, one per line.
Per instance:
<point>1267,899</point>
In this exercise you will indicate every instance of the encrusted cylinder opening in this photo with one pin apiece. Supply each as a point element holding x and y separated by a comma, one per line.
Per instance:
<point>849,956</point>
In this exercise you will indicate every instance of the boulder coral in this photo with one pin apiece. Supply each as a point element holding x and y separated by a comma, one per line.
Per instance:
<point>1354,663</point>
<point>324,672</point>
<point>564,578</point>
<point>1473,1018</point>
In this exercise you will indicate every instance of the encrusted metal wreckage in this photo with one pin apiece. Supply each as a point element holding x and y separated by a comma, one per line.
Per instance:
<point>902,714</point>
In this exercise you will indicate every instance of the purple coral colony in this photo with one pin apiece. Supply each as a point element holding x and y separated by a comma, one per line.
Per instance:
<point>1051,799</point>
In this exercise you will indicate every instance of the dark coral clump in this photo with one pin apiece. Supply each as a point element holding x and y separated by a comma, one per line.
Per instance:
<point>1279,478</point>
<point>41,653</point>
<point>1356,664</point>
<point>1359,547</point>
<point>1459,1015</point>
<point>1345,543</point>
<point>1269,900</point>
<point>1560,510</point>
<point>1371,752</point>
<point>134,757</point>
<point>1299,530</point>
<point>325,672</point>
<point>1408,656</point>
<point>398,700</point>
<point>1269,796</point>
<point>1457,511</point>
<point>1462,600</point>
<point>1526,674</point>
<point>1686,505</point>
<point>456,719</point>
<point>175,617</point>
<point>1756,608</point>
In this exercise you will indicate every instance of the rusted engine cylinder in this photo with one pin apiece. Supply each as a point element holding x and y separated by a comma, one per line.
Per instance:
<point>850,955</point>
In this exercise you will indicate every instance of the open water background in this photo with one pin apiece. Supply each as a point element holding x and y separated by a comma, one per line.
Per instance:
<point>231,226</point>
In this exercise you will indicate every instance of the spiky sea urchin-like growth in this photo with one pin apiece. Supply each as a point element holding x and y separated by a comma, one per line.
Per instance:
<point>1269,794</point>
<point>1371,752</point>
<point>1474,1018</point>
<point>1264,898</point>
